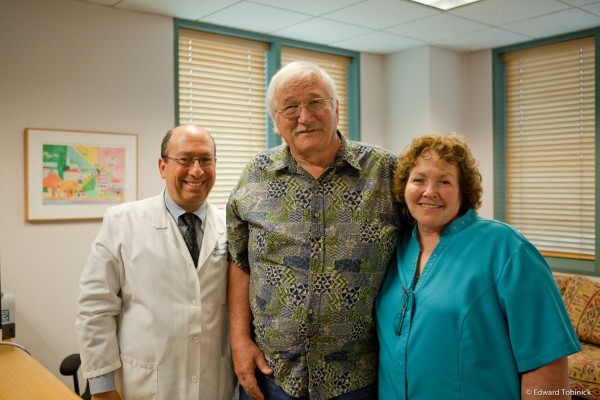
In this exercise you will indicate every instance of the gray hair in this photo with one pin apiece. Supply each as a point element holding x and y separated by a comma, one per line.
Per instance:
<point>294,71</point>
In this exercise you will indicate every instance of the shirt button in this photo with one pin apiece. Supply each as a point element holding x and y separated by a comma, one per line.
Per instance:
<point>196,302</point>
<point>194,379</point>
<point>196,339</point>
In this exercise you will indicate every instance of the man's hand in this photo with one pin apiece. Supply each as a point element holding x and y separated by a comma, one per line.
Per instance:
<point>112,395</point>
<point>246,355</point>
<point>246,358</point>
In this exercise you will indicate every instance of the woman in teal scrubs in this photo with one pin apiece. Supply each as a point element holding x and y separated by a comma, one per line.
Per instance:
<point>469,308</point>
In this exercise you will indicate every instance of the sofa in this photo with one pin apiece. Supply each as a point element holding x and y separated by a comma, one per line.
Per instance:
<point>582,299</point>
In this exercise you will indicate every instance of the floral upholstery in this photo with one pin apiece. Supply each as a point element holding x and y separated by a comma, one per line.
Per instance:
<point>582,299</point>
<point>584,371</point>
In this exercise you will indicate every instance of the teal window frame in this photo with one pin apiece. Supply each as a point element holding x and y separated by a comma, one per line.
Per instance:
<point>273,63</point>
<point>574,266</point>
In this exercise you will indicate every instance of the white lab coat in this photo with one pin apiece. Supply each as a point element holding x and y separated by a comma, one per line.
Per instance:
<point>146,313</point>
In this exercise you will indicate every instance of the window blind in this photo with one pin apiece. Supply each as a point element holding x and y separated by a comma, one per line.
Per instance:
<point>222,88</point>
<point>550,146</point>
<point>334,65</point>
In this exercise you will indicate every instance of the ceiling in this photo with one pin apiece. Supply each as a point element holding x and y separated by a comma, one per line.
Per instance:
<point>384,26</point>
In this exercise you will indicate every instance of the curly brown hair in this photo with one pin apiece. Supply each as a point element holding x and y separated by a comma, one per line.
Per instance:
<point>451,148</point>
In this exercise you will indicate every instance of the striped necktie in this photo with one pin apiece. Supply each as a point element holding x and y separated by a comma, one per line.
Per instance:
<point>190,235</point>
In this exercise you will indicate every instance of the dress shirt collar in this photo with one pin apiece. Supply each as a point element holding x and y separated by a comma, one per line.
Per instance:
<point>343,156</point>
<point>176,211</point>
<point>454,227</point>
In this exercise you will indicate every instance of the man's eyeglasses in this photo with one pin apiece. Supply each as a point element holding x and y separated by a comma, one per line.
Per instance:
<point>293,110</point>
<point>189,162</point>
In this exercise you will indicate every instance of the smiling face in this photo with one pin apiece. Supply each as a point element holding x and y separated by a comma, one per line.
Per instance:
<point>432,193</point>
<point>309,134</point>
<point>188,186</point>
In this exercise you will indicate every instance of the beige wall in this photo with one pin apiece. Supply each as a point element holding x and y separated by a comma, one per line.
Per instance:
<point>429,89</point>
<point>72,65</point>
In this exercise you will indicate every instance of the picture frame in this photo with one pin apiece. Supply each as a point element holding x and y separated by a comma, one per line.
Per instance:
<point>77,175</point>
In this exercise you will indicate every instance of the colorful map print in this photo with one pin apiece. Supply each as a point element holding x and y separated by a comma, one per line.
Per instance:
<point>82,174</point>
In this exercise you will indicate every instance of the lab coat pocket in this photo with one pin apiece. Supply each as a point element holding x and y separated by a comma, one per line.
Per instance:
<point>140,380</point>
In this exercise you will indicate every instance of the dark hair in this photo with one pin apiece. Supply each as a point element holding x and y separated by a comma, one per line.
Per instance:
<point>451,148</point>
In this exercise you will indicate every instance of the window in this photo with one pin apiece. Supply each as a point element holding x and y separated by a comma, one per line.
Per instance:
<point>336,66</point>
<point>545,146</point>
<point>222,89</point>
<point>221,81</point>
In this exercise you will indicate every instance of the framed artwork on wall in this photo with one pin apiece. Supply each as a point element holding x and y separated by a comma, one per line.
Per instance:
<point>77,175</point>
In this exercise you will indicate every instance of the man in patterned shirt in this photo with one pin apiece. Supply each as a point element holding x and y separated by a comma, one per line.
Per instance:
<point>312,226</point>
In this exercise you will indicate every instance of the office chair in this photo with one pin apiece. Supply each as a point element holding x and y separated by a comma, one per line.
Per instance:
<point>69,366</point>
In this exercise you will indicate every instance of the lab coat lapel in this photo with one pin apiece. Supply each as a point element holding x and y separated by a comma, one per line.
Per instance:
<point>164,222</point>
<point>212,232</point>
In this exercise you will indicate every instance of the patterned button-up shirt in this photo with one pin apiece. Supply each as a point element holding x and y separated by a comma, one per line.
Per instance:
<point>317,250</point>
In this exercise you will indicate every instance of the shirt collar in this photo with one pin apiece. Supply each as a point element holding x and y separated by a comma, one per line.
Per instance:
<point>456,226</point>
<point>343,156</point>
<point>176,211</point>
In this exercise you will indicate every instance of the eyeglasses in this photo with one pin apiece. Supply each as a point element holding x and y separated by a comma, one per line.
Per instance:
<point>293,110</point>
<point>407,299</point>
<point>189,162</point>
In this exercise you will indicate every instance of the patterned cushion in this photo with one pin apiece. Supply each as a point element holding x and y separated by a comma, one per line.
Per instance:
<point>561,282</point>
<point>583,372</point>
<point>582,299</point>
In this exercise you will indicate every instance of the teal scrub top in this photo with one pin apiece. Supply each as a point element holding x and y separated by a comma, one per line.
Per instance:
<point>485,309</point>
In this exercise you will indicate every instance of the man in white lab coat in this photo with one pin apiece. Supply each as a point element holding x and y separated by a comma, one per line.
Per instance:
<point>152,316</point>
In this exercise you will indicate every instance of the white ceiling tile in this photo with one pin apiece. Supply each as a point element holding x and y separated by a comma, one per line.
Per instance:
<point>311,7</point>
<point>378,14</point>
<point>580,3</point>
<point>437,27</point>
<point>186,9</point>
<point>485,39</point>
<point>555,24</point>
<point>384,25</point>
<point>255,17</point>
<point>500,12</point>
<point>379,43</point>
<point>593,8</point>
<point>319,30</point>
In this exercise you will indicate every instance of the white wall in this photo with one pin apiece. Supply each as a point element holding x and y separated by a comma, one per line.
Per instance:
<point>74,65</point>
<point>479,121</point>
<point>426,90</point>
<point>71,65</point>
<point>373,112</point>
<point>407,97</point>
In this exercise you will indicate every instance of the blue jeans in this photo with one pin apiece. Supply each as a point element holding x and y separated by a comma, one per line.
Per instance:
<point>274,392</point>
